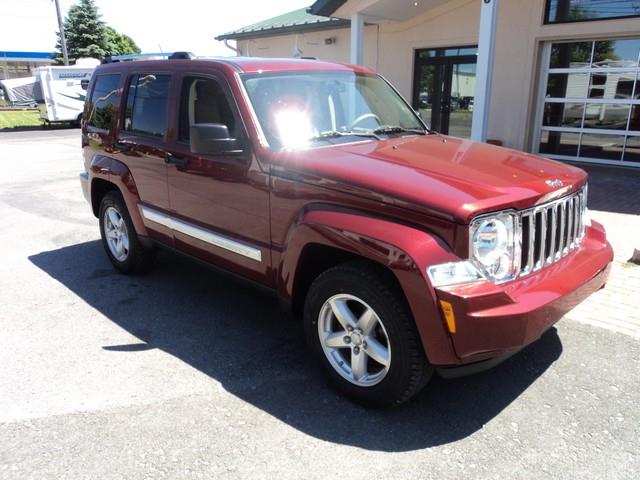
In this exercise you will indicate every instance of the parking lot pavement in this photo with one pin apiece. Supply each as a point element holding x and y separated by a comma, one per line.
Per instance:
<point>614,201</point>
<point>189,373</point>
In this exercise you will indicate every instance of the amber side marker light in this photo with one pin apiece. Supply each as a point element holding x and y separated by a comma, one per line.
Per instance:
<point>449,316</point>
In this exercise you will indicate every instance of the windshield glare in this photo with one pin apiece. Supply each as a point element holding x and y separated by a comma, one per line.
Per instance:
<point>298,109</point>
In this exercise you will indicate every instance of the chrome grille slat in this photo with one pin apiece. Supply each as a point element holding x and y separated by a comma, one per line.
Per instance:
<point>563,222</point>
<point>532,241</point>
<point>583,200</point>
<point>554,226</point>
<point>570,218</point>
<point>543,239</point>
<point>576,220</point>
<point>573,221</point>
<point>550,231</point>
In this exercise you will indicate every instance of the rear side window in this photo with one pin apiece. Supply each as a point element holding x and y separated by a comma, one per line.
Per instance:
<point>204,101</point>
<point>104,100</point>
<point>146,111</point>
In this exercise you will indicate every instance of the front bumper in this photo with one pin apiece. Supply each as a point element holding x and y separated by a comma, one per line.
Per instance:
<point>493,321</point>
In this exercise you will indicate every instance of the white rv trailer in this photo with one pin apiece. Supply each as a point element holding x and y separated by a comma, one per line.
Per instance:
<point>64,90</point>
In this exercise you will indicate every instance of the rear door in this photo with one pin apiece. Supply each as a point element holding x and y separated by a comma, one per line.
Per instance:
<point>142,145</point>
<point>221,202</point>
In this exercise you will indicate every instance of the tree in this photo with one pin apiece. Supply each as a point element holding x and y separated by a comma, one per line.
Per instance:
<point>85,31</point>
<point>88,36</point>
<point>119,43</point>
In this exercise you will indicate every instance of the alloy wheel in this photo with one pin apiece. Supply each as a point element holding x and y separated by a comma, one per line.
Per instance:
<point>116,234</point>
<point>354,340</point>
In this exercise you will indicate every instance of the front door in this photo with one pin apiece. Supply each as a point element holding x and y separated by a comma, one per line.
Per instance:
<point>444,88</point>
<point>220,202</point>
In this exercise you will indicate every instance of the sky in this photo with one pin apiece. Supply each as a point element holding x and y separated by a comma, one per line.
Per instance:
<point>155,25</point>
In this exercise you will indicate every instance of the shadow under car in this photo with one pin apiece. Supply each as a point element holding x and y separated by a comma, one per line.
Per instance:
<point>237,335</point>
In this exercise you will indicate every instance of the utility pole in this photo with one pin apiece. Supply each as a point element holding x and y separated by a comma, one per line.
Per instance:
<point>63,40</point>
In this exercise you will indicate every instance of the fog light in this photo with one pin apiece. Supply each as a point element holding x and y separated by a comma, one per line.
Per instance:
<point>453,273</point>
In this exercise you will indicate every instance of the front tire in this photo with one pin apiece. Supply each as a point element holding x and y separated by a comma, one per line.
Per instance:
<point>119,238</point>
<point>360,329</point>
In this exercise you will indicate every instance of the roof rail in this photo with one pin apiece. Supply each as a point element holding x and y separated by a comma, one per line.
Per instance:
<point>149,56</point>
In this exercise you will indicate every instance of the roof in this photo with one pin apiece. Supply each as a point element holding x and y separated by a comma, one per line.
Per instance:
<point>241,65</point>
<point>291,22</point>
<point>264,64</point>
<point>26,56</point>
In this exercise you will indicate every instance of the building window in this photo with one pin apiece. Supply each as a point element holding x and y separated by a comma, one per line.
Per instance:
<point>591,109</point>
<point>563,11</point>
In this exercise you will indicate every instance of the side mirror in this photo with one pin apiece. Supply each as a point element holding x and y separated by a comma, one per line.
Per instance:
<point>213,139</point>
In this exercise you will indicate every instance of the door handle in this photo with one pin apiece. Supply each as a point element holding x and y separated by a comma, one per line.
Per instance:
<point>171,159</point>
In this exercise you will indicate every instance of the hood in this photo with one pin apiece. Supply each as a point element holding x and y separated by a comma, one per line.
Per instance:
<point>446,176</point>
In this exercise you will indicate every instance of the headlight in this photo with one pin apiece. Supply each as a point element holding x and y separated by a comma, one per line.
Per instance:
<point>493,248</point>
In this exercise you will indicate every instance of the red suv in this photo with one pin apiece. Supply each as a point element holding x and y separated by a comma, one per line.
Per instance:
<point>403,251</point>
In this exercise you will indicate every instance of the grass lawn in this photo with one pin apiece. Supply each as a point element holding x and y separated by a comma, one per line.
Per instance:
<point>19,118</point>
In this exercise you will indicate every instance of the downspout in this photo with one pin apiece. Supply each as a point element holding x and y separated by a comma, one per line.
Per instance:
<point>297,53</point>
<point>377,46</point>
<point>237,50</point>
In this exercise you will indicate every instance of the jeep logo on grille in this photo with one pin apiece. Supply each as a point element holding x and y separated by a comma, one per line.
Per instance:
<point>556,183</point>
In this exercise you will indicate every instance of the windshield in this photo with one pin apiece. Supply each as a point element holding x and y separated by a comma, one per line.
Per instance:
<point>298,109</point>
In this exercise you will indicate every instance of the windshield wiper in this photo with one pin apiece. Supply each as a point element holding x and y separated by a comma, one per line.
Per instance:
<point>391,129</point>
<point>336,134</point>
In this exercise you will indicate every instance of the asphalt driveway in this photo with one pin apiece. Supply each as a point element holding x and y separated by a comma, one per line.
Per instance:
<point>190,373</point>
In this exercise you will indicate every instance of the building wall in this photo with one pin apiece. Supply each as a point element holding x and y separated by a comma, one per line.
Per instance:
<point>390,49</point>
<point>521,34</point>
<point>312,44</point>
<point>12,69</point>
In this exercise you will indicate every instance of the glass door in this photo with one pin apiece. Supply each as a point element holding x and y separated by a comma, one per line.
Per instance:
<point>444,86</point>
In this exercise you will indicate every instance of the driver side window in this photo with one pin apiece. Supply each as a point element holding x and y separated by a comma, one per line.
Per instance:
<point>203,100</point>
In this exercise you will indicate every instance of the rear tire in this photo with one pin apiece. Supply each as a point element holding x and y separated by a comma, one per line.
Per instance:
<point>119,237</point>
<point>379,326</point>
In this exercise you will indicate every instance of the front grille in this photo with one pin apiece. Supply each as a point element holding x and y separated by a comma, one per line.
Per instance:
<point>550,231</point>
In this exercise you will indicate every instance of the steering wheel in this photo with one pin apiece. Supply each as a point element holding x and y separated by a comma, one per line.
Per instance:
<point>362,118</point>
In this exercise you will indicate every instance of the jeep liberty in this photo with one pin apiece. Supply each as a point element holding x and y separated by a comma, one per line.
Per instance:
<point>403,251</point>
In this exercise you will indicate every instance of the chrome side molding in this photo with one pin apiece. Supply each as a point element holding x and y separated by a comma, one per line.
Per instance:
<point>201,234</point>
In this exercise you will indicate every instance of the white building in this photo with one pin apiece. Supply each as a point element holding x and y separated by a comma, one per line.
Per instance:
<point>22,64</point>
<point>555,77</point>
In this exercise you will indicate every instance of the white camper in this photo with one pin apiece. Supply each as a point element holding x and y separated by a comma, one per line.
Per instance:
<point>64,90</point>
